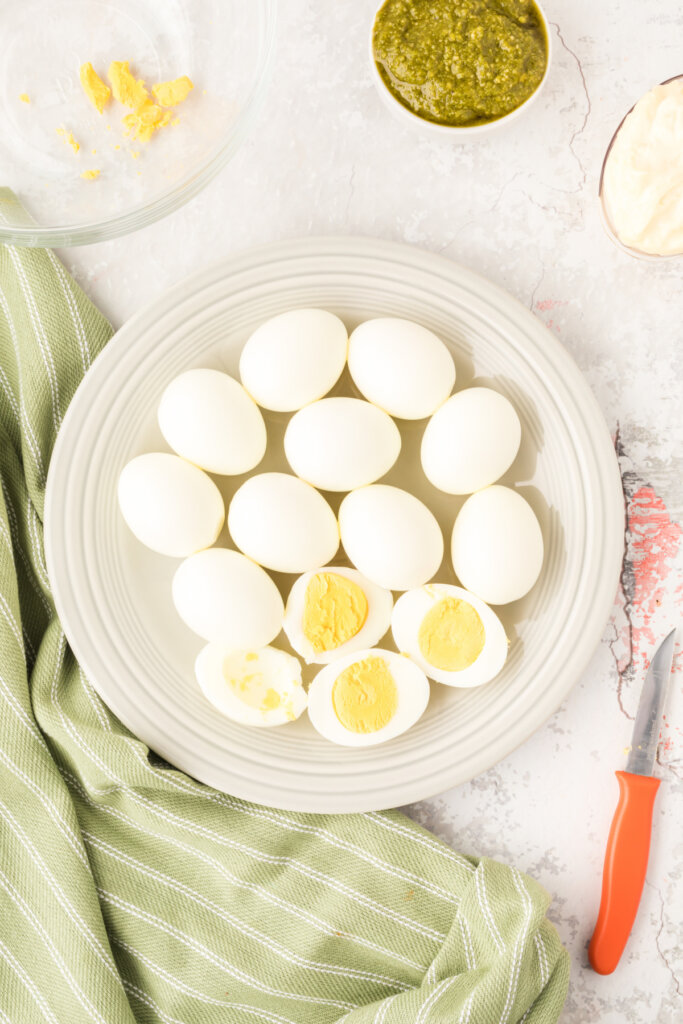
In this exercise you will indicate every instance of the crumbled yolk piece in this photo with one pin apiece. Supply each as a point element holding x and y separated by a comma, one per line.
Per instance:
<point>335,609</point>
<point>24,97</point>
<point>126,88</point>
<point>97,91</point>
<point>92,174</point>
<point>146,120</point>
<point>271,700</point>
<point>253,690</point>
<point>250,688</point>
<point>168,94</point>
<point>69,138</point>
<point>451,635</point>
<point>364,695</point>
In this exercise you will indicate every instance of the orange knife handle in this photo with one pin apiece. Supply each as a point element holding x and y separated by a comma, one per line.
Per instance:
<point>628,849</point>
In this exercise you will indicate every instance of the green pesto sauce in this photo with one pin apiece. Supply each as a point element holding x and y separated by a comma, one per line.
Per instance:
<point>460,62</point>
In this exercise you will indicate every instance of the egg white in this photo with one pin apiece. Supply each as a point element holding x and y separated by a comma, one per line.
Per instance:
<point>413,696</point>
<point>337,444</point>
<point>283,523</point>
<point>225,598</point>
<point>380,603</point>
<point>277,670</point>
<point>294,358</point>
<point>401,366</point>
<point>470,441</point>
<point>208,418</point>
<point>390,536</point>
<point>170,505</point>
<point>497,545</point>
<point>406,619</point>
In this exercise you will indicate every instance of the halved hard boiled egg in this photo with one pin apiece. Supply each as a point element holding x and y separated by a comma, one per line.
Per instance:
<point>334,611</point>
<point>253,687</point>
<point>367,697</point>
<point>452,635</point>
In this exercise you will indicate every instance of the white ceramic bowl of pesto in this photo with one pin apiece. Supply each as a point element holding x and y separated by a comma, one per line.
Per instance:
<point>461,133</point>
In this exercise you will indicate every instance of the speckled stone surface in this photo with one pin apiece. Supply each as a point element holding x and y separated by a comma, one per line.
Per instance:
<point>520,207</point>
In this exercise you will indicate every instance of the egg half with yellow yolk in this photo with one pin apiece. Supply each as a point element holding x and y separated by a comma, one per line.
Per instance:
<point>367,697</point>
<point>334,611</point>
<point>253,687</point>
<point>452,635</point>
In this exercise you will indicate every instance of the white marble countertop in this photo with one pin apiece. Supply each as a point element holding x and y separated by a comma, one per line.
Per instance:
<point>520,207</point>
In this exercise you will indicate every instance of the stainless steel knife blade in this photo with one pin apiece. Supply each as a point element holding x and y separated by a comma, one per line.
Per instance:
<point>641,759</point>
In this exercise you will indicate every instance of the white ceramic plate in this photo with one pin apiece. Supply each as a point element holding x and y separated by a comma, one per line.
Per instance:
<point>113,595</point>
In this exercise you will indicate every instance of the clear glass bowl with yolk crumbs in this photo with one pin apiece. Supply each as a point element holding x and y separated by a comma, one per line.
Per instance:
<point>70,175</point>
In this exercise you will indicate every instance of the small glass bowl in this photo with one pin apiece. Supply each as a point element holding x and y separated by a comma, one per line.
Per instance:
<point>225,46</point>
<point>455,132</point>
<point>648,257</point>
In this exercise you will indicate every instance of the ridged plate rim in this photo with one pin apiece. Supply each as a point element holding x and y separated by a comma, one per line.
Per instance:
<point>78,546</point>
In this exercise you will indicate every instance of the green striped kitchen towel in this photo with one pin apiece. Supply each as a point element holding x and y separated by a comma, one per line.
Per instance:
<point>128,891</point>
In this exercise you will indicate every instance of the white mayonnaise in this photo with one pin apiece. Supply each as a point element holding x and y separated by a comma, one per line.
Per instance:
<point>642,187</point>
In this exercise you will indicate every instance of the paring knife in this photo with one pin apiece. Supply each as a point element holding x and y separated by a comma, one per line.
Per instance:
<point>628,846</point>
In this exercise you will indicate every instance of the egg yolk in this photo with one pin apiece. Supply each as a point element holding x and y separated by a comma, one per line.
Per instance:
<point>335,610</point>
<point>168,94</point>
<point>94,88</point>
<point>451,635</point>
<point>128,90</point>
<point>364,696</point>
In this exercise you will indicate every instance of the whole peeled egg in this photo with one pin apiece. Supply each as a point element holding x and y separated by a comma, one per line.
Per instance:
<point>470,441</point>
<point>226,599</point>
<point>207,417</point>
<point>283,523</point>
<point>367,697</point>
<point>294,358</point>
<point>497,545</point>
<point>170,505</point>
<point>338,444</point>
<point>400,366</point>
<point>390,536</point>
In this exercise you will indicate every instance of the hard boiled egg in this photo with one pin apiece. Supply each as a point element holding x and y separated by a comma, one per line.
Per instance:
<point>401,366</point>
<point>497,545</point>
<point>334,611</point>
<point>367,697</point>
<point>470,441</point>
<point>252,687</point>
<point>226,599</point>
<point>390,536</point>
<point>294,358</point>
<point>169,504</point>
<point>452,635</point>
<point>338,444</point>
<point>283,523</point>
<point>207,417</point>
